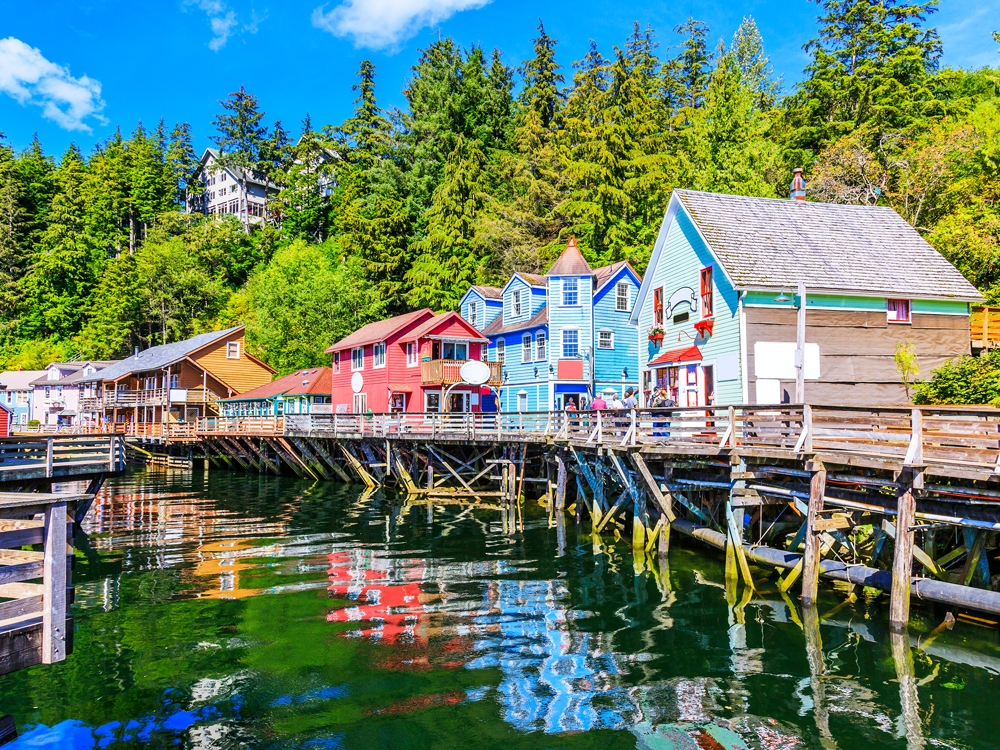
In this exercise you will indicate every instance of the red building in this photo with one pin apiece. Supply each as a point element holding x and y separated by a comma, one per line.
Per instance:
<point>408,363</point>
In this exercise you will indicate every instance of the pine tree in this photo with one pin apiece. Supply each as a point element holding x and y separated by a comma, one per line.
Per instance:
<point>239,127</point>
<point>182,161</point>
<point>542,80</point>
<point>35,173</point>
<point>12,259</point>
<point>693,63</point>
<point>756,72</point>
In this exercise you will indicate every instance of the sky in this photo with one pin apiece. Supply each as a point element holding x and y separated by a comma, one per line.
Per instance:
<point>73,72</point>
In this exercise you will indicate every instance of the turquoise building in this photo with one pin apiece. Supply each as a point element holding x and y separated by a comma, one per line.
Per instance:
<point>563,335</point>
<point>717,316</point>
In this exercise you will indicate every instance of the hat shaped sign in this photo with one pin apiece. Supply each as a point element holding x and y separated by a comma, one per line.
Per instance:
<point>475,372</point>
<point>357,382</point>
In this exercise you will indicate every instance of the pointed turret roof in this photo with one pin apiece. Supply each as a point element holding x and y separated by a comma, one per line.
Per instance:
<point>571,262</point>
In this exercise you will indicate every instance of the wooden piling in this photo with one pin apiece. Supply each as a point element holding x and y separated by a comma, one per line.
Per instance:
<point>811,558</point>
<point>560,483</point>
<point>54,591</point>
<point>902,560</point>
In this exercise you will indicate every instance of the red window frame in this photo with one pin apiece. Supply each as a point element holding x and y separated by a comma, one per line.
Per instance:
<point>658,306</point>
<point>707,287</point>
<point>906,305</point>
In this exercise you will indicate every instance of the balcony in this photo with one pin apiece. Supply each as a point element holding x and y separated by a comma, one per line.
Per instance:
<point>148,397</point>
<point>446,372</point>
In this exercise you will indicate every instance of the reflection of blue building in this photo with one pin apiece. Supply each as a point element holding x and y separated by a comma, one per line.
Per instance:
<point>553,676</point>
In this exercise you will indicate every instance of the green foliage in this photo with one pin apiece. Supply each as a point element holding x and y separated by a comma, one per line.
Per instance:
<point>302,301</point>
<point>963,380</point>
<point>905,358</point>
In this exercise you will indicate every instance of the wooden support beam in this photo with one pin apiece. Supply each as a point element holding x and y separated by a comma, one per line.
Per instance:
<point>296,457</point>
<point>812,556</point>
<point>325,455</point>
<point>283,455</point>
<point>310,458</point>
<point>560,482</point>
<point>665,502</point>
<point>362,473</point>
<point>975,548</point>
<point>902,559</point>
<point>235,452</point>
<point>264,458</point>
<point>54,581</point>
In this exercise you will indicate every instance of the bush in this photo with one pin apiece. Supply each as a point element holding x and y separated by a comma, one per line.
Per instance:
<point>963,380</point>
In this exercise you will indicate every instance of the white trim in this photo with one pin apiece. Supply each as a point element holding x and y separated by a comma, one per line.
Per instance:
<point>501,344</point>
<point>562,342</point>
<point>541,344</point>
<point>605,348</point>
<point>412,346</point>
<point>744,375</point>
<point>358,349</point>
<point>516,304</point>
<point>527,353</point>
<point>562,292</point>
<point>376,347</point>
<point>237,345</point>
<point>628,296</point>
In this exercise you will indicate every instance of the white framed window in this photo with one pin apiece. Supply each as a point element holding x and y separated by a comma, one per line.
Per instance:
<point>623,300</point>
<point>571,292</point>
<point>570,343</point>
<point>10,397</point>
<point>474,314</point>
<point>454,350</point>
<point>336,362</point>
<point>360,403</point>
<point>516,304</point>
<point>501,351</point>
<point>411,353</point>
<point>606,339</point>
<point>541,354</point>
<point>378,355</point>
<point>232,350</point>
<point>897,310</point>
<point>432,401</point>
<point>526,347</point>
<point>357,358</point>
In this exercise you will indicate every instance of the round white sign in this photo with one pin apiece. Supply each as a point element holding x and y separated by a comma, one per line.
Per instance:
<point>357,382</point>
<point>475,372</point>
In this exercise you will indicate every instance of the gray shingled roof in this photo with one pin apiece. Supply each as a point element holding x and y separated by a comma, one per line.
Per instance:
<point>488,292</point>
<point>158,356</point>
<point>540,318</point>
<point>768,242</point>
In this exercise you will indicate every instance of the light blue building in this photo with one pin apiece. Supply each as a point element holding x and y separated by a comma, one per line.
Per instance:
<point>565,335</point>
<point>481,305</point>
<point>16,393</point>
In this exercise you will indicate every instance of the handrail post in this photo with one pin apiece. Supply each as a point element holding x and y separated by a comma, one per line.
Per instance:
<point>54,584</point>
<point>915,452</point>
<point>48,456</point>
<point>635,425</point>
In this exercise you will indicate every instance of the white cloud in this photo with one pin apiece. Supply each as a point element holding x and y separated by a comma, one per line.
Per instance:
<point>224,22</point>
<point>30,78</point>
<point>386,23</point>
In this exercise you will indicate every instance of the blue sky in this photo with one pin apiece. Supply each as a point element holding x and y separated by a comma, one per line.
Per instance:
<point>74,71</point>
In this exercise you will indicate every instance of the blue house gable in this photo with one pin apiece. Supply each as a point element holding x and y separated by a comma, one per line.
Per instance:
<point>565,335</point>
<point>481,305</point>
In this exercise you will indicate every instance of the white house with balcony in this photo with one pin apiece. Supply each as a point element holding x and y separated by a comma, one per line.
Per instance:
<point>55,400</point>
<point>216,190</point>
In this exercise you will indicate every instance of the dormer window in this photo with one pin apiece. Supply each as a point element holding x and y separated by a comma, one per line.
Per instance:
<point>473,317</point>
<point>622,297</point>
<point>232,350</point>
<point>516,303</point>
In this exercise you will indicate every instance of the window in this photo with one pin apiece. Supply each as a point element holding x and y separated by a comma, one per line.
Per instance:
<point>357,358</point>
<point>540,346</point>
<point>622,297</point>
<point>898,310</point>
<point>571,343</point>
<point>411,353</point>
<point>522,401</point>
<point>378,355</point>
<point>432,402</point>
<point>222,191</point>
<point>173,380</point>
<point>473,317</point>
<point>10,397</point>
<point>48,391</point>
<point>454,351</point>
<point>501,350</point>
<point>526,347</point>
<point>658,306</point>
<point>232,350</point>
<point>517,303</point>
<point>336,361</point>
<point>605,340</point>
<point>706,292</point>
<point>222,177</point>
<point>570,292</point>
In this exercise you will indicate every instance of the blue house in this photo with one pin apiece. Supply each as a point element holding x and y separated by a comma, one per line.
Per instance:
<point>565,335</point>
<point>481,305</point>
<point>16,392</point>
<point>717,317</point>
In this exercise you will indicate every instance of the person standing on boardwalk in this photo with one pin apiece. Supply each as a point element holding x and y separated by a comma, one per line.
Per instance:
<point>630,401</point>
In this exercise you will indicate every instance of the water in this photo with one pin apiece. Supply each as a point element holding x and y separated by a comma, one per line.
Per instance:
<point>219,610</point>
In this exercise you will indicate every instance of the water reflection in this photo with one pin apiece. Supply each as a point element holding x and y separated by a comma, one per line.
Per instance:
<point>223,611</point>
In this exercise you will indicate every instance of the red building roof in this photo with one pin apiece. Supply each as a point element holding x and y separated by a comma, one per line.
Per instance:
<point>450,320</point>
<point>380,330</point>
<point>689,354</point>
<point>312,380</point>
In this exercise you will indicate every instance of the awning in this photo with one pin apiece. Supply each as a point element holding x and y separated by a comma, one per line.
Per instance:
<point>399,388</point>
<point>688,354</point>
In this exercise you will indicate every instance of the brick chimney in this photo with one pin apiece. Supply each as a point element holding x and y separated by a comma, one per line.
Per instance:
<point>797,190</point>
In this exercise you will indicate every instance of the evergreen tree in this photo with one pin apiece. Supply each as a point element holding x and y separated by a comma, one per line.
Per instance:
<point>756,72</point>
<point>182,161</point>
<point>240,131</point>
<point>693,63</point>
<point>35,173</point>
<point>542,79</point>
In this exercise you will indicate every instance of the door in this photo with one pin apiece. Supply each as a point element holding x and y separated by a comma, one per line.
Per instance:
<point>522,401</point>
<point>360,403</point>
<point>708,385</point>
<point>458,403</point>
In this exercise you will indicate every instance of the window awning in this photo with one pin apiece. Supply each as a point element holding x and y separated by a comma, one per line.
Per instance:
<point>400,388</point>
<point>687,354</point>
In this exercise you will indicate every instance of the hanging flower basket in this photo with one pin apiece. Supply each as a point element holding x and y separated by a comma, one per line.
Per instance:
<point>655,333</point>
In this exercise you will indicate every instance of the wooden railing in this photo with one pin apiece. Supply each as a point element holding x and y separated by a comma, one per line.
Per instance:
<point>25,458</point>
<point>34,584</point>
<point>984,326</point>
<point>446,372</point>
<point>150,397</point>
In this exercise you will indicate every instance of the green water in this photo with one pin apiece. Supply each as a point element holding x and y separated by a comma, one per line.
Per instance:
<point>219,610</point>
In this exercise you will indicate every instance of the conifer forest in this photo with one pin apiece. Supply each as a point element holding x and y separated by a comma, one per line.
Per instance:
<point>489,168</point>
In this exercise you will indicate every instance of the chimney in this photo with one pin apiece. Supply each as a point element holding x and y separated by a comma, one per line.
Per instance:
<point>797,190</point>
<point>137,352</point>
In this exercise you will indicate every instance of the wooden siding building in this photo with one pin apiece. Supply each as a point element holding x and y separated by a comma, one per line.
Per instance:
<point>565,335</point>
<point>301,392</point>
<point>722,284</point>
<point>174,382</point>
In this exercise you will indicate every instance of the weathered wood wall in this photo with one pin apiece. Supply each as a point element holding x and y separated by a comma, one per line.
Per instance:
<point>857,349</point>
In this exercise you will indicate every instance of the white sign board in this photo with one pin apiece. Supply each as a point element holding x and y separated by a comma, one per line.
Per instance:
<point>727,367</point>
<point>475,372</point>
<point>321,409</point>
<point>776,360</point>
<point>357,382</point>
<point>178,395</point>
<point>768,391</point>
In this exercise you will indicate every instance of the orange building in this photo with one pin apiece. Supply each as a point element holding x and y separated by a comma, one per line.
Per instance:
<point>173,382</point>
